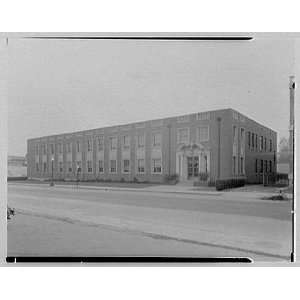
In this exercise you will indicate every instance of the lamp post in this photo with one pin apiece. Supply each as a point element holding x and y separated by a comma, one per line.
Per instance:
<point>52,182</point>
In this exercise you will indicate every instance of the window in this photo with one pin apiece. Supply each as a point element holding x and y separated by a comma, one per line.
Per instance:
<point>78,166</point>
<point>156,165</point>
<point>69,166</point>
<point>141,165</point>
<point>68,147</point>
<point>141,141</point>
<point>242,165</point>
<point>51,148</point>
<point>156,139</point>
<point>78,148</point>
<point>59,147</point>
<point>261,144</point>
<point>270,166</point>
<point>256,165</point>
<point>253,140</point>
<point>271,146</point>
<point>60,166</point>
<point>37,167</point>
<point>203,116</point>
<point>89,166</point>
<point>182,119</point>
<point>126,141</point>
<point>249,139</point>
<point>266,166</point>
<point>234,165</point>
<point>265,144</point>
<point>261,166</point>
<point>183,135</point>
<point>203,133</point>
<point>113,166</point>
<point>45,167</point>
<point>100,143</point>
<point>256,141</point>
<point>242,138</point>
<point>113,143</point>
<point>100,166</point>
<point>37,149</point>
<point>234,135</point>
<point>126,165</point>
<point>44,149</point>
<point>89,145</point>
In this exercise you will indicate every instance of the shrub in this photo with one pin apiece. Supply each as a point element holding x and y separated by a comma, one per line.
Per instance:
<point>223,184</point>
<point>172,178</point>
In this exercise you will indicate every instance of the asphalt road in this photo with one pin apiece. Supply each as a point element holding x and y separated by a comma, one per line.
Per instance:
<point>68,221</point>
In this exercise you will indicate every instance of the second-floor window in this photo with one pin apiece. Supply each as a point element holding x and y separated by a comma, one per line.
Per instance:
<point>203,132</point>
<point>113,143</point>
<point>183,135</point>
<point>126,141</point>
<point>100,143</point>
<point>261,144</point>
<point>51,149</point>
<point>271,146</point>
<point>59,147</point>
<point>156,139</point>
<point>141,141</point>
<point>78,148</point>
<point>68,147</point>
<point>89,145</point>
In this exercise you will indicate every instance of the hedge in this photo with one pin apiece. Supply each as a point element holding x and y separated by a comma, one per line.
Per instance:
<point>229,183</point>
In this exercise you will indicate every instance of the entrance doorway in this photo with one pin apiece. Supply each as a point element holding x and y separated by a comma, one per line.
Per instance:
<point>193,166</point>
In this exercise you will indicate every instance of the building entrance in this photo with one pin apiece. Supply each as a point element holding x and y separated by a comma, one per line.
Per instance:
<point>192,166</point>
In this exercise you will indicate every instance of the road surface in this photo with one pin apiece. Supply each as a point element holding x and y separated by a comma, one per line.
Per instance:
<point>66,221</point>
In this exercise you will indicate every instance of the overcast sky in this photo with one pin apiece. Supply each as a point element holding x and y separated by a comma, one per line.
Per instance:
<point>58,86</point>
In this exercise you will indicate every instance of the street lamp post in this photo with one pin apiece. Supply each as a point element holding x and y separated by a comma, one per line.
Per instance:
<point>52,182</point>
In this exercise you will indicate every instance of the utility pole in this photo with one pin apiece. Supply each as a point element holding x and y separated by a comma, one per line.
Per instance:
<point>52,180</point>
<point>292,87</point>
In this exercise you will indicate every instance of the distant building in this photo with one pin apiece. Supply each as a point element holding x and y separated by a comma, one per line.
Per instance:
<point>222,144</point>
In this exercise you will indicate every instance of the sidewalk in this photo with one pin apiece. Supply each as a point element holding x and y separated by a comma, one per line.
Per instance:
<point>233,194</point>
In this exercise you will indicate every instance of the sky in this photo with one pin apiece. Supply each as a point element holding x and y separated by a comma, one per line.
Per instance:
<point>58,86</point>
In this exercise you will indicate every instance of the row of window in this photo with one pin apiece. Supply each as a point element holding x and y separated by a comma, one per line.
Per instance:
<point>182,136</point>
<point>263,166</point>
<point>156,166</point>
<point>254,143</point>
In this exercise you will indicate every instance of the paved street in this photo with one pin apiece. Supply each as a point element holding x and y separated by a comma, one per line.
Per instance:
<point>97,222</point>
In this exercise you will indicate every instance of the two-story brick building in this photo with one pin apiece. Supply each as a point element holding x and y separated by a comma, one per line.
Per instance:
<point>222,144</point>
